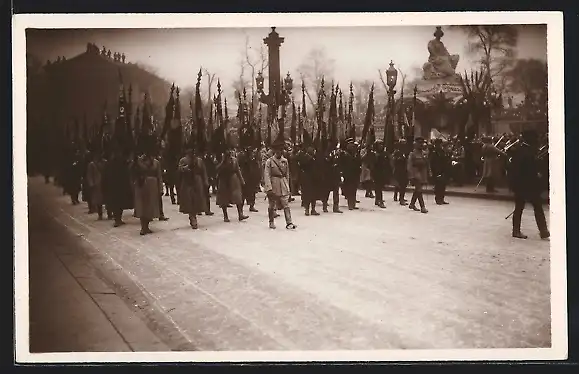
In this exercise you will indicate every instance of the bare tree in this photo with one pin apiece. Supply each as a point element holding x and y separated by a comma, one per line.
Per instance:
<point>316,67</point>
<point>495,44</point>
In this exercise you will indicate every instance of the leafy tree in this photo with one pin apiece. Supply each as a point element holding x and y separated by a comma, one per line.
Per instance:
<point>530,77</point>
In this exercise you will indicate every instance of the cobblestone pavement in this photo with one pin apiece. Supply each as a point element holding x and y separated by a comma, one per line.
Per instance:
<point>365,279</point>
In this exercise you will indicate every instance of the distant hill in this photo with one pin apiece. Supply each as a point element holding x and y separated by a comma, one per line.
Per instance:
<point>60,92</point>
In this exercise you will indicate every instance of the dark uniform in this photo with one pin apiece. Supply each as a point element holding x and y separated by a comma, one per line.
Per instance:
<point>525,182</point>
<point>333,182</point>
<point>73,176</point>
<point>308,170</point>
<point>350,165</point>
<point>249,165</point>
<point>439,167</point>
<point>117,185</point>
<point>400,172</point>
<point>381,172</point>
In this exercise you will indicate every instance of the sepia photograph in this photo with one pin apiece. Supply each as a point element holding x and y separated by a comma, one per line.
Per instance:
<point>289,187</point>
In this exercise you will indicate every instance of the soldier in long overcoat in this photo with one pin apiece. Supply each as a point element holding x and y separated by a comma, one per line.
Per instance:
<point>400,171</point>
<point>148,184</point>
<point>118,189</point>
<point>381,172</point>
<point>418,170</point>
<point>525,178</point>
<point>365,175</point>
<point>230,184</point>
<point>249,163</point>
<point>350,166</point>
<point>491,164</point>
<point>193,187</point>
<point>73,176</point>
<point>94,178</point>
<point>307,164</point>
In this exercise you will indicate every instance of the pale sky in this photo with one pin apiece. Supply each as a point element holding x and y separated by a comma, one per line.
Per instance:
<point>358,52</point>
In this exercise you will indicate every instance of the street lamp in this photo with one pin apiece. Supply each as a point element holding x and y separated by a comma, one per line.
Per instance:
<point>391,77</point>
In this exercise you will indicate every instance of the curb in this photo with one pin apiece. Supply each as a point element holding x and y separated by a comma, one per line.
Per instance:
<point>475,195</point>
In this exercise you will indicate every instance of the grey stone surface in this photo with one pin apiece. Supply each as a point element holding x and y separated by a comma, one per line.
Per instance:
<point>367,279</point>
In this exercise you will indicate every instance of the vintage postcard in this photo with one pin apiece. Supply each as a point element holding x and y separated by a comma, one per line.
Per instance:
<point>289,187</point>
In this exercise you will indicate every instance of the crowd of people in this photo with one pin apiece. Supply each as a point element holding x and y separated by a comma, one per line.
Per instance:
<point>113,181</point>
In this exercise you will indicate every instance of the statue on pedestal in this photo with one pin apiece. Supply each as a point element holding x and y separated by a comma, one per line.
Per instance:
<point>441,64</point>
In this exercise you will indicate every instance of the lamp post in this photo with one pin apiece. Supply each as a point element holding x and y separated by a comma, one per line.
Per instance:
<point>391,78</point>
<point>279,92</point>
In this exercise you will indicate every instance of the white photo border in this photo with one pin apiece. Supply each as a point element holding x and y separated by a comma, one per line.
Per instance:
<point>555,58</point>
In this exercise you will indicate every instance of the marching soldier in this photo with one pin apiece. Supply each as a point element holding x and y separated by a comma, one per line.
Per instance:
<point>117,181</point>
<point>194,186</point>
<point>400,167</point>
<point>491,166</point>
<point>148,178</point>
<point>249,164</point>
<point>418,174</point>
<point>351,173</point>
<point>439,166</point>
<point>73,175</point>
<point>95,172</point>
<point>276,180</point>
<point>380,172</point>
<point>307,164</point>
<point>526,184</point>
<point>294,171</point>
<point>230,184</point>
<point>333,181</point>
<point>366,156</point>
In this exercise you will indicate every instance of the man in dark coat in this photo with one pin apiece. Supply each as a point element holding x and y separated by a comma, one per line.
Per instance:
<point>334,176</point>
<point>308,170</point>
<point>117,183</point>
<point>248,161</point>
<point>350,166</point>
<point>525,181</point>
<point>73,175</point>
<point>381,172</point>
<point>400,171</point>
<point>439,167</point>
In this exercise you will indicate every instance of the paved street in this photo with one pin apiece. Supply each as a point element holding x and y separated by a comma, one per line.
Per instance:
<point>367,279</point>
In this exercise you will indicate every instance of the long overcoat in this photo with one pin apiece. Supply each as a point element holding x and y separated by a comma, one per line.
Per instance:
<point>307,165</point>
<point>491,164</point>
<point>117,184</point>
<point>418,167</point>
<point>148,184</point>
<point>94,178</point>
<point>193,185</point>
<point>250,170</point>
<point>229,182</point>
<point>365,174</point>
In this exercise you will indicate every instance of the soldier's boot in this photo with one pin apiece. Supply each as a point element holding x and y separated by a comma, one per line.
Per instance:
<point>313,211</point>
<point>270,214</point>
<point>240,214</point>
<point>225,215</point>
<point>325,207</point>
<point>193,221</point>
<point>517,226</point>
<point>396,195</point>
<point>541,222</point>
<point>307,208</point>
<point>422,206</point>
<point>252,206</point>
<point>166,190</point>
<point>403,201</point>
<point>413,202</point>
<point>288,219</point>
<point>173,200</point>
<point>336,208</point>
<point>100,212</point>
<point>275,214</point>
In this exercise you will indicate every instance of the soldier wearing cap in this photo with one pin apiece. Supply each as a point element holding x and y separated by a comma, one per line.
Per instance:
<point>418,171</point>
<point>117,179</point>
<point>94,179</point>
<point>148,180</point>
<point>400,168</point>
<point>276,185</point>
<point>439,166</point>
<point>230,185</point>
<point>491,166</point>
<point>351,172</point>
<point>380,171</point>
<point>193,185</point>
<point>526,184</point>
